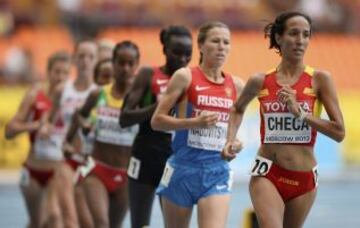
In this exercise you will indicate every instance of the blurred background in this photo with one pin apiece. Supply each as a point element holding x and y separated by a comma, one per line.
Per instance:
<point>30,30</point>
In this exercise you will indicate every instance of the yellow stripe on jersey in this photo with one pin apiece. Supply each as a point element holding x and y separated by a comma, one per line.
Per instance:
<point>317,108</point>
<point>309,70</point>
<point>263,93</point>
<point>111,101</point>
<point>309,91</point>
<point>270,71</point>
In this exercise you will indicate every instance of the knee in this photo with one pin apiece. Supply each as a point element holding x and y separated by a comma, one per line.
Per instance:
<point>101,223</point>
<point>54,220</point>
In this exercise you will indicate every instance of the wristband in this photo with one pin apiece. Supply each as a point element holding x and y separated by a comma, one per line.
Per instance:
<point>303,114</point>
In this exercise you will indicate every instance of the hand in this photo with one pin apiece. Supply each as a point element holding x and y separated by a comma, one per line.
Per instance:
<point>231,149</point>
<point>68,148</point>
<point>287,96</point>
<point>44,131</point>
<point>207,119</point>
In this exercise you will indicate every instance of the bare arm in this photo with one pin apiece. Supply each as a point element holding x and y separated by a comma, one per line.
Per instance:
<point>249,92</point>
<point>334,127</point>
<point>131,113</point>
<point>19,124</point>
<point>81,115</point>
<point>177,86</point>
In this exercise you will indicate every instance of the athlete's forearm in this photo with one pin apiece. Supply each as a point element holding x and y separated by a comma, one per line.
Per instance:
<point>13,129</point>
<point>329,128</point>
<point>131,117</point>
<point>168,123</point>
<point>234,124</point>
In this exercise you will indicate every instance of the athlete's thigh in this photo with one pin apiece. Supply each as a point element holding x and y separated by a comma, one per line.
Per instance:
<point>268,204</point>
<point>118,206</point>
<point>213,211</point>
<point>141,197</point>
<point>97,199</point>
<point>174,215</point>
<point>83,211</point>
<point>32,193</point>
<point>296,210</point>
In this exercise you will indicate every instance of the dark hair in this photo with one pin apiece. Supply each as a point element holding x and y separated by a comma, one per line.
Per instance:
<point>57,56</point>
<point>279,26</point>
<point>125,44</point>
<point>204,29</point>
<point>98,66</point>
<point>173,30</point>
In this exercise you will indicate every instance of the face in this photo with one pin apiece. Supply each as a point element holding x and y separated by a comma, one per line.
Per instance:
<point>104,53</point>
<point>58,72</point>
<point>178,52</point>
<point>216,46</point>
<point>296,37</point>
<point>105,74</point>
<point>125,63</point>
<point>86,57</point>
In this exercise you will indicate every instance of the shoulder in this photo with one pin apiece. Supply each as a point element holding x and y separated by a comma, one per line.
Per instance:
<point>184,72</point>
<point>146,71</point>
<point>181,79</point>
<point>257,79</point>
<point>144,74</point>
<point>96,92</point>
<point>32,92</point>
<point>238,82</point>
<point>322,75</point>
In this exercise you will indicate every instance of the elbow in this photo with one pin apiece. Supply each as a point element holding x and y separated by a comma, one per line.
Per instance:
<point>155,123</point>
<point>8,134</point>
<point>123,121</point>
<point>340,136</point>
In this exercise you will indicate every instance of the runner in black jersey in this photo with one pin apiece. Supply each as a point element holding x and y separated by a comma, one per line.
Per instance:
<point>151,148</point>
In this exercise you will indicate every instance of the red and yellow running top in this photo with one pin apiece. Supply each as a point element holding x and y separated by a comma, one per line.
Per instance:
<point>278,125</point>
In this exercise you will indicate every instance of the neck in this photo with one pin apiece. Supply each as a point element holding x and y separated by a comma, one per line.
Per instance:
<point>290,69</point>
<point>119,88</point>
<point>167,70</point>
<point>82,82</point>
<point>213,73</point>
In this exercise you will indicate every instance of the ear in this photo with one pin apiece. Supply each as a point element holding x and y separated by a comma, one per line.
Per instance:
<point>164,50</point>
<point>278,39</point>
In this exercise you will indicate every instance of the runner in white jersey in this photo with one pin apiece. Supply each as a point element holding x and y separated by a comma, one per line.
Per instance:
<point>68,98</point>
<point>38,168</point>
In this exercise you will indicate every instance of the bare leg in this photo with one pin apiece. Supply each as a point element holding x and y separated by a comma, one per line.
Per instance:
<point>141,201</point>
<point>175,216</point>
<point>268,204</point>
<point>213,211</point>
<point>64,177</point>
<point>98,201</point>
<point>32,195</point>
<point>296,210</point>
<point>118,206</point>
<point>83,211</point>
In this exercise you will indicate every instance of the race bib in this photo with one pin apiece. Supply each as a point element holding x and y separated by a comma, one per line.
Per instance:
<point>166,177</point>
<point>108,130</point>
<point>134,168</point>
<point>50,148</point>
<point>261,166</point>
<point>211,138</point>
<point>285,128</point>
